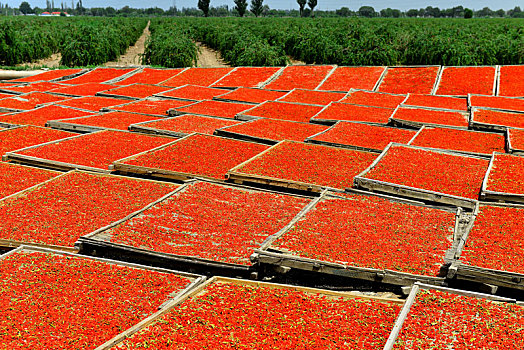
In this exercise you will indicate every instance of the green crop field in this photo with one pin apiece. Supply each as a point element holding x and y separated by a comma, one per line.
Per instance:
<point>268,41</point>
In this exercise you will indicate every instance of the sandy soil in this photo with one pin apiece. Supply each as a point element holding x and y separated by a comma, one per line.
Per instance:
<point>208,57</point>
<point>132,56</point>
<point>295,62</point>
<point>51,62</point>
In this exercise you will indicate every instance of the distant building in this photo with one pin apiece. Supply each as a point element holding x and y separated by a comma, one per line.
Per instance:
<point>55,14</point>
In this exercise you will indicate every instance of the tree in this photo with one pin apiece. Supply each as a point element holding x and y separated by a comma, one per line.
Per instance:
<point>366,11</point>
<point>468,13</point>
<point>241,6</point>
<point>343,12</point>
<point>412,13</point>
<point>312,4</point>
<point>301,5</point>
<point>257,6</point>
<point>25,8</point>
<point>203,5</point>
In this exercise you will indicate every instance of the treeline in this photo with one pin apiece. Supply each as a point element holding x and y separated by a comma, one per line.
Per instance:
<point>243,8</point>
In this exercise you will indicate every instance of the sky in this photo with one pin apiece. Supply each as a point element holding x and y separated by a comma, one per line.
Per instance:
<point>290,4</point>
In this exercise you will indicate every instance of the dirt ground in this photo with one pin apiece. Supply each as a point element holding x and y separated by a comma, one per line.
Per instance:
<point>132,56</point>
<point>51,62</point>
<point>208,57</point>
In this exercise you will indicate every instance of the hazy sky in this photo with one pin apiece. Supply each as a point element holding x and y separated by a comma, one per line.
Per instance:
<point>289,4</point>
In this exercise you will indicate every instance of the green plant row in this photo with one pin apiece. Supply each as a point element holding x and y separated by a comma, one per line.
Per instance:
<point>358,41</point>
<point>82,41</point>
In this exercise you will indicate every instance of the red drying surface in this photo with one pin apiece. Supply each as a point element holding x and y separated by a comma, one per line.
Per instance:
<point>461,81</point>
<point>516,138</point>
<point>312,97</point>
<point>15,139</point>
<point>41,115</point>
<point>300,77</point>
<point>97,150</point>
<point>496,240</point>
<point>228,316</point>
<point>427,117</point>
<point>211,222</point>
<point>506,174</point>
<point>510,81</point>
<point>89,89</point>
<point>49,75</point>
<point>403,80</point>
<point>460,140</point>
<point>151,107</point>
<point>93,103</point>
<point>344,111</point>
<point>346,78</point>
<point>150,76</point>
<point>62,302</point>
<point>285,111</point>
<point>444,102</point>
<point>247,77</point>
<point>215,109</point>
<point>15,178</point>
<point>98,75</point>
<point>138,91</point>
<point>42,87</point>
<point>277,130</point>
<point>111,120</point>
<point>3,95</point>
<point>253,95</point>
<point>197,76</point>
<point>440,320</point>
<point>375,99</point>
<point>371,232</point>
<point>30,101</point>
<point>307,163</point>
<point>188,124</point>
<point>486,116</point>
<point>203,155</point>
<point>194,92</point>
<point>366,136</point>
<point>512,104</point>
<point>428,170</point>
<point>75,205</point>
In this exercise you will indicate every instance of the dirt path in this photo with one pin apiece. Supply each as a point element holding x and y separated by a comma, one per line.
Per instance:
<point>132,56</point>
<point>208,57</point>
<point>295,62</point>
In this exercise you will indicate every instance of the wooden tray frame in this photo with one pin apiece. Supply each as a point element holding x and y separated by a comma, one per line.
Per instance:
<point>235,175</point>
<point>475,125</point>
<point>411,300</point>
<point>495,79</point>
<point>509,147</point>
<point>282,261</point>
<point>374,86</point>
<point>69,125</point>
<point>277,73</point>
<point>245,116</point>
<point>157,173</point>
<point>471,106</point>
<point>144,129</point>
<point>96,242</point>
<point>322,121</point>
<point>151,99</point>
<point>223,280</point>
<point>311,139</point>
<point>417,125</point>
<point>164,97</point>
<point>9,243</point>
<point>503,197</point>
<point>467,153</point>
<point>435,84</point>
<point>485,276</point>
<point>412,192</point>
<point>224,132</point>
